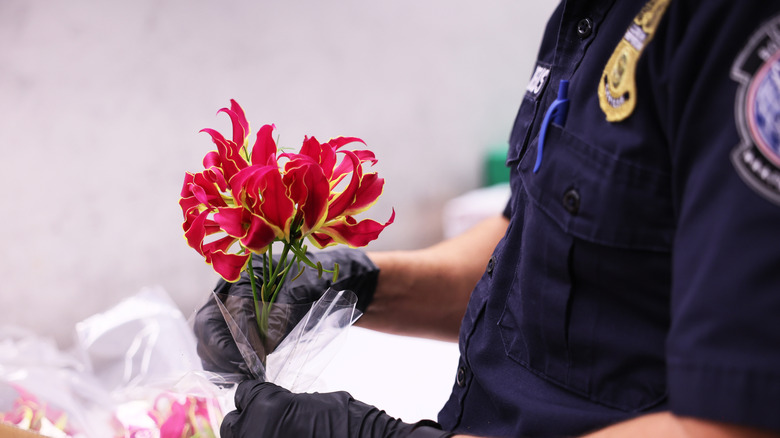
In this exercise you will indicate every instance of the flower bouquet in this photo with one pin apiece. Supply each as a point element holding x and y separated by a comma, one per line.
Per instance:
<point>250,201</point>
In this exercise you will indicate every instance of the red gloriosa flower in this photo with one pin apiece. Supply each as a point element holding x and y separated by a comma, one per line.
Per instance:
<point>246,198</point>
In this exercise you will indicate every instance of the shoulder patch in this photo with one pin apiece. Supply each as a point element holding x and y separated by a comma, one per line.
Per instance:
<point>617,87</point>
<point>757,111</point>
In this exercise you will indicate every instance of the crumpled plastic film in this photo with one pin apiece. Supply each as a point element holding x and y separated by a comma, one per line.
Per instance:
<point>133,372</point>
<point>49,391</point>
<point>140,340</point>
<point>301,338</point>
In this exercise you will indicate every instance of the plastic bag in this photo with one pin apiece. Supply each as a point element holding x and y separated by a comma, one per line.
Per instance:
<point>143,352</point>
<point>133,373</point>
<point>192,406</point>
<point>142,339</point>
<point>47,390</point>
<point>298,336</point>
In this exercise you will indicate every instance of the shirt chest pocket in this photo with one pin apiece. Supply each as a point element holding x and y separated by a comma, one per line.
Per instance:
<point>588,306</point>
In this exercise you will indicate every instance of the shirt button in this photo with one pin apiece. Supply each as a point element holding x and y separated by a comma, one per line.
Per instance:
<point>461,379</point>
<point>491,265</point>
<point>584,28</point>
<point>571,201</point>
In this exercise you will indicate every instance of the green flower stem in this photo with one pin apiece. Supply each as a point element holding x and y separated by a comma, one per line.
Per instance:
<point>268,262</point>
<point>273,277</point>
<point>273,281</point>
<point>257,300</point>
<point>281,280</point>
<point>300,254</point>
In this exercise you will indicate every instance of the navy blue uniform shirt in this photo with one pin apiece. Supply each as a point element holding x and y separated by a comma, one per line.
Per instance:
<point>641,268</point>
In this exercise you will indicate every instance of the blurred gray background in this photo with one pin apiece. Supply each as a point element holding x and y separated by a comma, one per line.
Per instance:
<point>101,103</point>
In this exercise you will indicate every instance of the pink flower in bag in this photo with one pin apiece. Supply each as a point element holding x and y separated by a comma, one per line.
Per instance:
<point>29,413</point>
<point>180,416</point>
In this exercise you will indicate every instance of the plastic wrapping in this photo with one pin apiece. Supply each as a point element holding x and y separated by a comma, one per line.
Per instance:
<point>47,390</point>
<point>293,353</point>
<point>142,339</point>
<point>191,406</point>
<point>133,372</point>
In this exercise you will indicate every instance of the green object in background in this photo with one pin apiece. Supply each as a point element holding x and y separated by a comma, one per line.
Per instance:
<point>496,171</point>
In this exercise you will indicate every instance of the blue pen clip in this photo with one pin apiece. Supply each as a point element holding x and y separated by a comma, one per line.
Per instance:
<point>556,114</point>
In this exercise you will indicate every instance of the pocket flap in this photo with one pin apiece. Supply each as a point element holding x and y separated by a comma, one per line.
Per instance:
<point>600,198</point>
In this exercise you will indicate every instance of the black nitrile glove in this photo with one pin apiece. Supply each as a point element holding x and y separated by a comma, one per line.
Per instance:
<point>269,411</point>
<point>216,347</point>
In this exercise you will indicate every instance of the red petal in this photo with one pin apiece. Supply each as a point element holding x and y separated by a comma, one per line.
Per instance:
<point>195,231</point>
<point>176,422</point>
<point>229,154</point>
<point>338,142</point>
<point>246,184</point>
<point>259,235</point>
<point>322,154</point>
<point>228,266</point>
<point>371,187</point>
<point>213,165</point>
<point>216,136</point>
<point>352,233</point>
<point>347,197</point>
<point>233,221</point>
<point>185,188</point>
<point>366,156</point>
<point>206,191</point>
<point>211,160</point>
<point>212,227</point>
<point>240,127</point>
<point>215,176</point>
<point>346,167</point>
<point>321,240</point>
<point>275,206</point>
<point>264,149</point>
<point>240,114</point>
<point>220,245</point>
<point>311,147</point>
<point>310,190</point>
<point>188,204</point>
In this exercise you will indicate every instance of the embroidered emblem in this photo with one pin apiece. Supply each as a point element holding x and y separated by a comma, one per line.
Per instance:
<point>617,87</point>
<point>538,81</point>
<point>757,111</point>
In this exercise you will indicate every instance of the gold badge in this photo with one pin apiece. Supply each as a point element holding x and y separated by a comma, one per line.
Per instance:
<point>617,88</point>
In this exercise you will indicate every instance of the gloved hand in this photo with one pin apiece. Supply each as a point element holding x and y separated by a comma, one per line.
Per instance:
<point>216,347</point>
<point>266,410</point>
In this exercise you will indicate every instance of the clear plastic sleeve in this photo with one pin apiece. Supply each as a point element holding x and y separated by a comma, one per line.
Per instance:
<point>300,340</point>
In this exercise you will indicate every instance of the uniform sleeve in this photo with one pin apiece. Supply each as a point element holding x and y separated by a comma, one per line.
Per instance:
<point>507,212</point>
<point>720,104</point>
